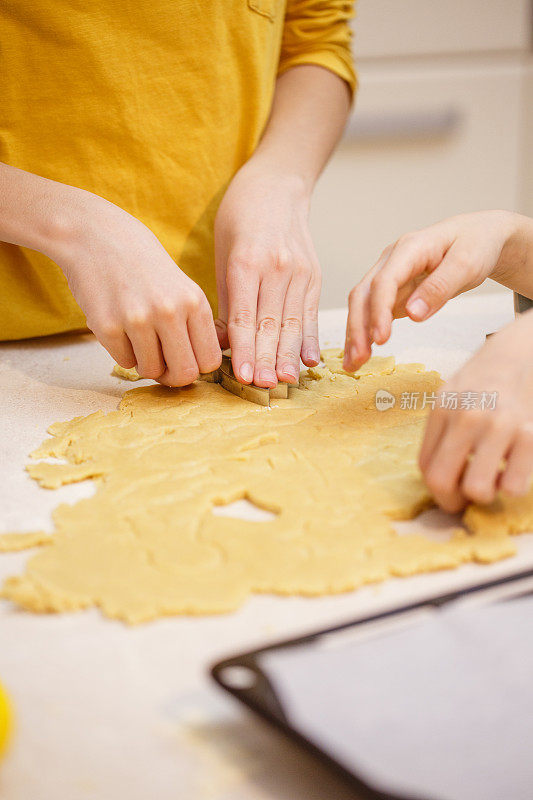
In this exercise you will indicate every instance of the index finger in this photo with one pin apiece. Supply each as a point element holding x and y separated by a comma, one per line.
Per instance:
<point>404,261</point>
<point>358,342</point>
<point>411,256</point>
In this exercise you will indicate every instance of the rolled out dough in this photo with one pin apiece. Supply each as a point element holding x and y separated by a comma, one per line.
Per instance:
<point>333,469</point>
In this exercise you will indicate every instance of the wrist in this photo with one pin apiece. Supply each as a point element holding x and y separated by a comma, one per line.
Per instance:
<point>293,182</point>
<point>517,234</point>
<point>58,224</point>
<point>513,341</point>
<point>77,218</point>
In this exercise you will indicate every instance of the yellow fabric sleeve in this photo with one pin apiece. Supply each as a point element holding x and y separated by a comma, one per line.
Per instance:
<point>318,32</point>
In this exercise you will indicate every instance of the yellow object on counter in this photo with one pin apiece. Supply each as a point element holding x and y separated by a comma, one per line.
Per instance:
<point>5,720</point>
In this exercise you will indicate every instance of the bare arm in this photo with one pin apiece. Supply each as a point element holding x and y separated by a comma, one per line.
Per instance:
<point>308,115</point>
<point>33,210</point>
<point>268,275</point>
<point>463,450</point>
<point>424,269</point>
<point>142,308</point>
<point>515,265</point>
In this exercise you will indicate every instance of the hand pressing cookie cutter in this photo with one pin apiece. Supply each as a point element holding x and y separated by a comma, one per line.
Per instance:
<point>259,395</point>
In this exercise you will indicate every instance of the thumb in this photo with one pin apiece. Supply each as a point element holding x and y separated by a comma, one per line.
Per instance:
<point>446,281</point>
<point>221,321</point>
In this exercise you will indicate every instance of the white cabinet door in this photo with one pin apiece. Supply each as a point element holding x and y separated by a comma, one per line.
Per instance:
<point>386,28</point>
<point>425,142</point>
<point>526,194</point>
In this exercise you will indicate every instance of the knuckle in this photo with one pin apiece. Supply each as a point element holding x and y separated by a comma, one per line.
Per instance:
<point>478,490</point>
<point>292,325</point>
<point>311,313</point>
<point>190,374</point>
<point>242,260</point>
<point>358,295</point>
<point>467,419</point>
<point>525,436</point>
<point>315,283</point>
<point>137,318</point>
<point>183,376</point>
<point>514,486</point>
<point>152,371</point>
<point>268,326</point>
<point>407,240</point>
<point>453,504</point>
<point>212,363</point>
<point>265,360</point>
<point>437,482</point>
<point>500,425</point>
<point>193,300</point>
<point>441,414</point>
<point>243,319</point>
<point>289,354</point>
<point>354,294</point>
<point>439,487</point>
<point>108,328</point>
<point>378,282</point>
<point>457,417</point>
<point>442,485</point>
<point>375,283</point>
<point>383,256</point>
<point>167,308</point>
<point>284,260</point>
<point>237,263</point>
<point>436,286</point>
<point>126,362</point>
<point>302,270</point>
<point>311,339</point>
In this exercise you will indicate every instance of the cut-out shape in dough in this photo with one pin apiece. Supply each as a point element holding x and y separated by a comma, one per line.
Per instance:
<point>243,509</point>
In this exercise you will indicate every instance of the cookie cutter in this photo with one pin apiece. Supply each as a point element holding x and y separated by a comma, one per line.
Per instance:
<point>259,395</point>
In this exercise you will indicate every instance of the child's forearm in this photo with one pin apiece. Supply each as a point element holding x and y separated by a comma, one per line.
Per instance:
<point>515,265</point>
<point>309,112</point>
<point>28,208</point>
<point>45,215</point>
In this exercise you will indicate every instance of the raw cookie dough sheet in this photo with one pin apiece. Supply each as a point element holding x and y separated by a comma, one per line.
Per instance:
<point>332,467</point>
<point>85,687</point>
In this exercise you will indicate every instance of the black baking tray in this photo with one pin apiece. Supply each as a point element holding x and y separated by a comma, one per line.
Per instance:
<point>252,679</point>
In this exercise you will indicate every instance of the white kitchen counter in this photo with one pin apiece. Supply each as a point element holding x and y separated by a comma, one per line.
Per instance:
<point>106,712</point>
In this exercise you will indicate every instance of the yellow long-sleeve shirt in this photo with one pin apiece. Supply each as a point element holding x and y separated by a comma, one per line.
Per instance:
<point>152,105</point>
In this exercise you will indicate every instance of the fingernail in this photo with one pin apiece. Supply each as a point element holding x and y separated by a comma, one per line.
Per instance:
<point>268,376</point>
<point>417,308</point>
<point>290,369</point>
<point>247,372</point>
<point>312,354</point>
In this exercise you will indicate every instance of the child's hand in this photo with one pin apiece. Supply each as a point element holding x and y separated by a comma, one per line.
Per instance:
<point>141,307</point>
<point>268,277</point>
<point>463,450</point>
<point>418,274</point>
